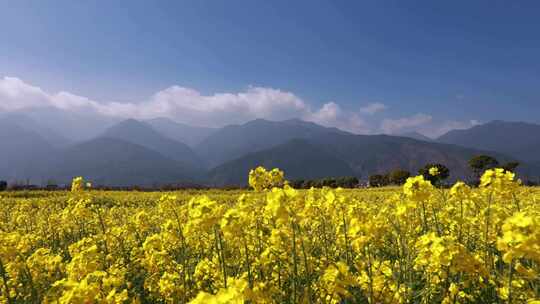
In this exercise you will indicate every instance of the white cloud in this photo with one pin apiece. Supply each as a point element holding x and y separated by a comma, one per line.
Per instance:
<point>331,115</point>
<point>424,124</point>
<point>183,104</point>
<point>449,125</point>
<point>192,107</point>
<point>16,95</point>
<point>373,108</point>
<point>400,125</point>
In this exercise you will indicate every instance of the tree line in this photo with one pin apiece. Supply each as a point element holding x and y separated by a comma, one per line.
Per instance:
<point>339,182</point>
<point>437,173</point>
<point>477,164</point>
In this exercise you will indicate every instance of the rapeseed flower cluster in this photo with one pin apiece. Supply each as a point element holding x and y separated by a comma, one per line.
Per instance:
<point>261,179</point>
<point>418,244</point>
<point>78,184</point>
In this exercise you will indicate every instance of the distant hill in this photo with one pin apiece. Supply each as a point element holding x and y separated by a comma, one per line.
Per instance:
<point>143,134</point>
<point>115,158</point>
<point>298,158</point>
<point>132,152</point>
<point>75,126</point>
<point>21,152</point>
<point>334,155</point>
<point>189,135</point>
<point>115,162</point>
<point>415,135</point>
<point>369,154</point>
<point>517,139</point>
<point>25,122</point>
<point>235,141</point>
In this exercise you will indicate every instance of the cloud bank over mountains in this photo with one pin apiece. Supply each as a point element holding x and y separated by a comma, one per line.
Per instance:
<point>190,106</point>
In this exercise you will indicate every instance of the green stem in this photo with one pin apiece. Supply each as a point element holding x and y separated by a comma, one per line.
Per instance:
<point>510,275</point>
<point>370,275</point>
<point>425,226</point>
<point>295,262</point>
<point>248,266</point>
<point>221,255</point>
<point>5,280</point>
<point>345,231</point>
<point>306,265</point>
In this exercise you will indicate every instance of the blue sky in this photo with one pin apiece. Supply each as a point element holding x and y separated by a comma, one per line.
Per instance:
<point>452,61</point>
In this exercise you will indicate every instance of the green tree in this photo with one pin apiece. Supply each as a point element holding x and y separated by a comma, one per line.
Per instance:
<point>347,182</point>
<point>399,177</point>
<point>307,184</point>
<point>435,173</point>
<point>481,163</point>
<point>329,182</point>
<point>297,184</point>
<point>3,185</point>
<point>510,166</point>
<point>379,180</point>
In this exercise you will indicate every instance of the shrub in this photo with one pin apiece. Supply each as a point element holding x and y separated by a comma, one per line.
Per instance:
<point>3,185</point>
<point>435,173</point>
<point>398,177</point>
<point>481,163</point>
<point>379,180</point>
<point>261,179</point>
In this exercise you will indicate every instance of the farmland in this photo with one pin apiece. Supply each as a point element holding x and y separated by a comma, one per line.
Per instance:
<point>410,244</point>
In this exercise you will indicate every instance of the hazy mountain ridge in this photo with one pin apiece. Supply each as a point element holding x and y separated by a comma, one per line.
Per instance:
<point>113,158</point>
<point>143,134</point>
<point>115,162</point>
<point>358,155</point>
<point>75,126</point>
<point>187,134</point>
<point>517,139</point>
<point>133,152</point>
<point>233,141</point>
<point>298,158</point>
<point>414,135</point>
<point>22,151</point>
<point>25,122</point>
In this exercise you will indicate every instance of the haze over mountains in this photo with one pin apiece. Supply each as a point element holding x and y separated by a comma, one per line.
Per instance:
<point>517,139</point>
<point>140,133</point>
<point>189,135</point>
<point>235,141</point>
<point>115,152</point>
<point>116,162</point>
<point>415,135</point>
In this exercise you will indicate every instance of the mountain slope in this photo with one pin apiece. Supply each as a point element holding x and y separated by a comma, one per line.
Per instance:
<point>298,158</point>
<point>345,155</point>
<point>21,152</point>
<point>369,154</point>
<point>189,135</point>
<point>23,121</point>
<point>140,133</point>
<point>75,126</point>
<point>114,162</point>
<point>517,139</point>
<point>414,135</point>
<point>235,141</point>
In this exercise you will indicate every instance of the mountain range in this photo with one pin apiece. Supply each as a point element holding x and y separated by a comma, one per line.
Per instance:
<point>233,141</point>
<point>363,155</point>
<point>141,133</point>
<point>161,151</point>
<point>190,135</point>
<point>518,139</point>
<point>415,135</point>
